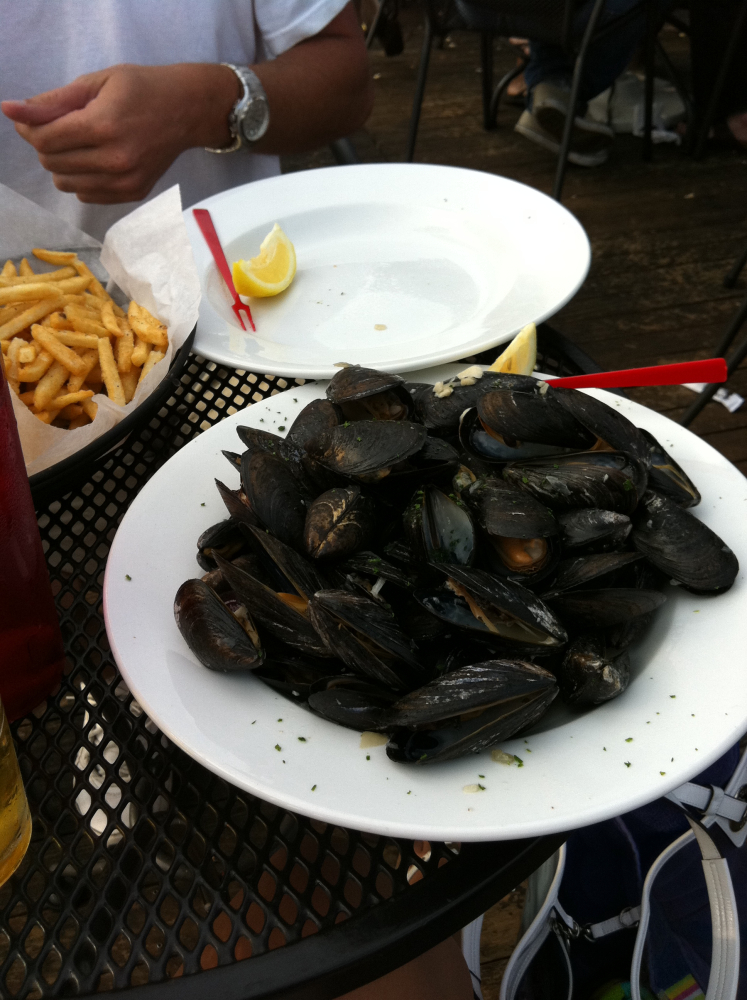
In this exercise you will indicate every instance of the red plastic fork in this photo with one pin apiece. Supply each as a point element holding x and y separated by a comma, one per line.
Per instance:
<point>205,222</point>
<point>711,370</point>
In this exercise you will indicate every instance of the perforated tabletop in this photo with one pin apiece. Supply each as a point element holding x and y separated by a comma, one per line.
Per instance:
<point>145,868</point>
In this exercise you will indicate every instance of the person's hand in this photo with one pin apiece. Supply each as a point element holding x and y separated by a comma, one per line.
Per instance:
<point>108,136</point>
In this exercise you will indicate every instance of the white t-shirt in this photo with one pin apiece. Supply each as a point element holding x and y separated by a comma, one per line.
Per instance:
<point>47,43</point>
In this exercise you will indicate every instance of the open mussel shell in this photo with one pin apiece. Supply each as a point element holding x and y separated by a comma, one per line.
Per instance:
<point>367,394</point>
<point>371,564</point>
<point>262,440</point>
<point>608,425</point>
<point>468,710</point>
<point>292,674</point>
<point>499,610</point>
<point>365,636</point>
<point>439,528</point>
<point>580,570</point>
<point>602,608</point>
<point>593,528</point>
<point>316,417</point>
<point>236,504</point>
<point>285,564</point>
<point>350,700</point>
<point>367,449</point>
<point>668,477</point>
<point>224,538</point>
<point>604,479</point>
<point>591,674</point>
<point>338,523</point>
<point>490,447</point>
<point>518,417</point>
<point>681,546</point>
<point>274,495</point>
<point>283,616</point>
<point>219,639</point>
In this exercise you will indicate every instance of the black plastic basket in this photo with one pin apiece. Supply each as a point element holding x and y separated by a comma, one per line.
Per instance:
<point>59,479</point>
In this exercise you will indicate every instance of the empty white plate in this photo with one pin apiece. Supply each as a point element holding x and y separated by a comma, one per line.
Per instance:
<point>686,703</point>
<point>400,266</point>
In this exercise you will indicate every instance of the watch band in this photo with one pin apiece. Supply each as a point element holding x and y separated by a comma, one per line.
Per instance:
<point>252,93</point>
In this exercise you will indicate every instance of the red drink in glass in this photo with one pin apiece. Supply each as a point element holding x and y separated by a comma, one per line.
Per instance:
<point>31,653</point>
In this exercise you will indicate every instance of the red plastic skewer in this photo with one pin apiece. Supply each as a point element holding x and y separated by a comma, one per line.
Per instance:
<point>205,222</point>
<point>710,370</point>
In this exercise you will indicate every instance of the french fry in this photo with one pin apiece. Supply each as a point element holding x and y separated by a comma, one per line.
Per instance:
<point>78,300</point>
<point>80,421</point>
<point>37,368</point>
<point>31,315</point>
<point>71,398</point>
<point>27,397</point>
<point>9,270</point>
<point>46,416</point>
<point>27,353</point>
<point>91,359</point>
<point>95,286</point>
<point>109,319</point>
<point>25,269</point>
<point>74,339</point>
<point>84,321</point>
<point>30,292</point>
<point>63,272</point>
<point>65,355</point>
<point>49,386</point>
<point>13,351</point>
<point>73,286</point>
<point>147,327</point>
<point>90,408</point>
<point>153,358</point>
<point>59,257</point>
<point>58,321</point>
<point>109,372</point>
<point>125,347</point>
<point>70,412</point>
<point>140,352</point>
<point>129,382</point>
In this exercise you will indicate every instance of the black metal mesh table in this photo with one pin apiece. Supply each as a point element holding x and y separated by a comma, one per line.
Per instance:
<point>144,868</point>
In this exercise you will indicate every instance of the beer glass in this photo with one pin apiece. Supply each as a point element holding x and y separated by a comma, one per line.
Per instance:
<point>15,819</point>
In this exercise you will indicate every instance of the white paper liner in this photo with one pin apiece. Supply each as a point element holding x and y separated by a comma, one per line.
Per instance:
<point>148,256</point>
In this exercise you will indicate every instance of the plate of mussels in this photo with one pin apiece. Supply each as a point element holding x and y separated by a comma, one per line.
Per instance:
<point>460,606</point>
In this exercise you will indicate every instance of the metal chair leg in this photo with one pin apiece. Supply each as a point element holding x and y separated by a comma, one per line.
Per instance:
<point>701,136</point>
<point>732,364</point>
<point>731,278</point>
<point>375,23</point>
<point>650,63</point>
<point>417,101</point>
<point>500,89</point>
<point>344,152</point>
<point>486,58</point>
<point>573,101</point>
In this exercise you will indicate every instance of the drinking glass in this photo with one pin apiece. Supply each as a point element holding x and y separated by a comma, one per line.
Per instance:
<point>31,653</point>
<point>15,819</point>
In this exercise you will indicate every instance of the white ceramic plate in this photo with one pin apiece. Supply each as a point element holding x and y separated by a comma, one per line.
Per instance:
<point>400,266</point>
<point>686,704</point>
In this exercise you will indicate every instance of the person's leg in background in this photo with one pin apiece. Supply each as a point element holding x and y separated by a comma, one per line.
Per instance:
<point>439,974</point>
<point>711,25</point>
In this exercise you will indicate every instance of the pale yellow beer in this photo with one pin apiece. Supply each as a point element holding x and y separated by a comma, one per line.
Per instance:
<point>15,819</point>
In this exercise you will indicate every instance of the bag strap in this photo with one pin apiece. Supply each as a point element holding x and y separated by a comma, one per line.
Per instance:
<point>724,977</point>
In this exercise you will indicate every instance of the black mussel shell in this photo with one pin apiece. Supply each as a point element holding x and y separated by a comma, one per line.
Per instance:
<point>233,457</point>
<point>531,416</point>
<point>367,449</point>
<point>595,609</point>
<point>497,609</point>
<point>338,523</point>
<point>668,477</point>
<point>519,695</point>
<point>439,528</point>
<point>291,674</point>
<point>303,576</point>
<point>608,425</point>
<point>580,570</point>
<point>491,448</point>
<point>219,639</point>
<point>594,528</point>
<point>275,495</point>
<point>224,538</point>
<point>278,616</point>
<point>441,414</point>
<point>351,701</point>
<point>591,674</point>
<point>355,382</point>
<point>365,636</point>
<point>503,510</point>
<point>236,504</point>
<point>256,438</point>
<point>681,546</point>
<point>318,416</point>
<point>604,479</point>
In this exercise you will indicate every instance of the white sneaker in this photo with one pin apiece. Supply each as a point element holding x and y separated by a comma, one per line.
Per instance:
<point>544,125</point>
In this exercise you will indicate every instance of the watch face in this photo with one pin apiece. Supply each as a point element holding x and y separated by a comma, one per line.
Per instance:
<point>255,121</point>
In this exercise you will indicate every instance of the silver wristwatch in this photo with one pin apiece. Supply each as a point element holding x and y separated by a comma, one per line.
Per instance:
<point>250,116</point>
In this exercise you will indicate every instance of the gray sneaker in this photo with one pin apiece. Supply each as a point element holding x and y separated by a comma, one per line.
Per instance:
<point>544,124</point>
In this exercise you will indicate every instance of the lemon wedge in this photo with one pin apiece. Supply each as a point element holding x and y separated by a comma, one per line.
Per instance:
<point>520,356</point>
<point>271,271</point>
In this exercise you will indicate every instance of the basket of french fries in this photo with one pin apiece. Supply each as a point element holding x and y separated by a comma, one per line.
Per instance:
<point>93,338</point>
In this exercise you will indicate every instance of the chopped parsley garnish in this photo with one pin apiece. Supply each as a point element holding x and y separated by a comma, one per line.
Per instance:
<point>301,739</point>
<point>629,739</point>
<point>313,788</point>
<point>281,427</point>
<point>278,747</point>
<point>519,761</point>
<point>627,485</point>
<point>481,787</point>
<point>127,576</point>
<point>627,763</point>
